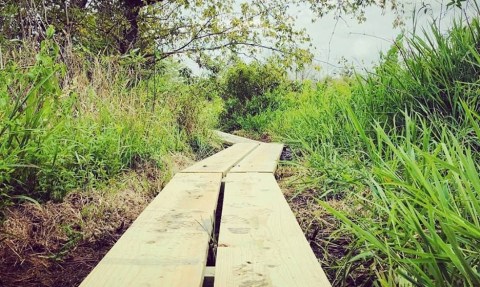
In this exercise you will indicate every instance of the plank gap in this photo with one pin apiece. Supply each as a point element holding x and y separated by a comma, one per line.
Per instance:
<point>209,277</point>
<point>212,250</point>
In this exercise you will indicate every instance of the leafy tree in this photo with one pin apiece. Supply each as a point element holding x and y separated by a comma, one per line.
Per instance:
<point>200,29</point>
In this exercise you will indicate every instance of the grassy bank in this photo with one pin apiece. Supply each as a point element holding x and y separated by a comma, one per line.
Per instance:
<point>86,141</point>
<point>70,119</point>
<point>387,160</point>
<point>398,148</point>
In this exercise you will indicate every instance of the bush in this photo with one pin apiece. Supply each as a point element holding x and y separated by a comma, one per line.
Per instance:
<point>63,131</point>
<point>249,90</point>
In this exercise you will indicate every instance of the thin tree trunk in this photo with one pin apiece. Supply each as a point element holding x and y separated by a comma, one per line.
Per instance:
<point>132,12</point>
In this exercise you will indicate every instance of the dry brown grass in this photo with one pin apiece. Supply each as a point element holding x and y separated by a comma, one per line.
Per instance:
<point>57,244</point>
<point>321,229</point>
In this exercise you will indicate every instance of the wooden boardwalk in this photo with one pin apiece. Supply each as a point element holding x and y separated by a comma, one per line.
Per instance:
<point>259,244</point>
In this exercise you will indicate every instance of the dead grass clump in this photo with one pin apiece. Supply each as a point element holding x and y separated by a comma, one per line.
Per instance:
<point>57,244</point>
<point>323,231</point>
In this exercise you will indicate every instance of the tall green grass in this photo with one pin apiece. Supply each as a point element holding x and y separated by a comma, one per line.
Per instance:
<point>399,147</point>
<point>431,72</point>
<point>420,220</point>
<point>70,119</point>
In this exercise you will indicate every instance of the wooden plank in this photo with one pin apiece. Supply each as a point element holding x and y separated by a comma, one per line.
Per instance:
<point>260,242</point>
<point>233,139</point>
<point>263,159</point>
<point>224,160</point>
<point>210,271</point>
<point>167,245</point>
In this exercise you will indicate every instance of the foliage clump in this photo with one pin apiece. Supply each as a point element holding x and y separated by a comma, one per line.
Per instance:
<point>399,147</point>
<point>63,130</point>
<point>249,91</point>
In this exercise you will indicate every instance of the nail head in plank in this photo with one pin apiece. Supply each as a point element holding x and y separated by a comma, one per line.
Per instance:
<point>263,159</point>
<point>224,160</point>
<point>167,245</point>
<point>260,242</point>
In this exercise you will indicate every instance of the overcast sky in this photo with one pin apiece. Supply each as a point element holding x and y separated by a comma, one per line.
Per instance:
<point>360,44</point>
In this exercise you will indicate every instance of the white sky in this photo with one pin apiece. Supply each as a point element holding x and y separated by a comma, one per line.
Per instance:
<point>361,44</point>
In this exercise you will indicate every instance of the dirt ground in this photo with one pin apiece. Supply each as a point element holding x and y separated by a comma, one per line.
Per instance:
<point>58,244</point>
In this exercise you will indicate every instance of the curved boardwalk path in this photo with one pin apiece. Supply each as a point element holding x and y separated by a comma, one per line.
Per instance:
<point>257,240</point>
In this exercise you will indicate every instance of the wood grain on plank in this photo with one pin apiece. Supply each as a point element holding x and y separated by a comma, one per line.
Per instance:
<point>260,242</point>
<point>167,244</point>
<point>233,139</point>
<point>263,159</point>
<point>224,160</point>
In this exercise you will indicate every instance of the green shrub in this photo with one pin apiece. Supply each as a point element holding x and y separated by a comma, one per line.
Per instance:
<point>60,131</point>
<point>250,90</point>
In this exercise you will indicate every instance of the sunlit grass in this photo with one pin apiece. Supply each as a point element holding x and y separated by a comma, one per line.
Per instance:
<point>400,147</point>
<point>76,122</point>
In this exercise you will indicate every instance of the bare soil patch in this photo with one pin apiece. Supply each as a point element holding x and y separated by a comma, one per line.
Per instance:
<point>58,244</point>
